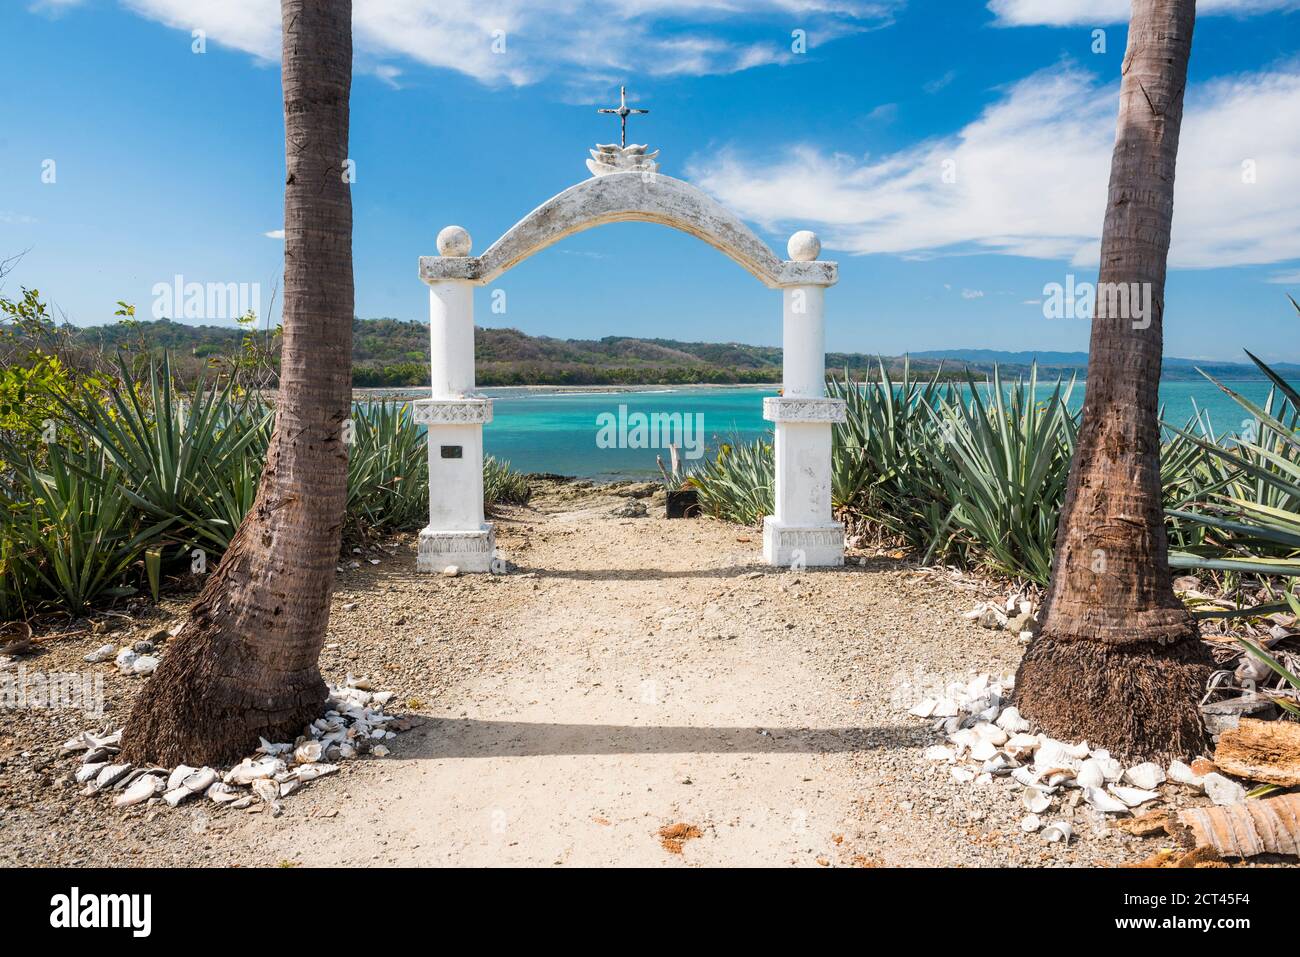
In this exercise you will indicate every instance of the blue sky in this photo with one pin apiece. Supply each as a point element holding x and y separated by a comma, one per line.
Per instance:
<point>170,162</point>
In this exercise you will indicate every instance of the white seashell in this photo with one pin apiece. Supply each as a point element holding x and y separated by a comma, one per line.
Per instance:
<point>101,654</point>
<point>923,708</point>
<point>1011,721</point>
<point>266,747</point>
<point>178,776</point>
<point>1024,776</point>
<point>939,752</point>
<point>379,751</point>
<point>288,787</point>
<point>308,753</point>
<point>1111,769</point>
<point>1036,802</point>
<point>1133,796</point>
<point>1056,778</point>
<point>946,708</point>
<point>1021,744</point>
<point>984,778</point>
<point>267,790</point>
<point>383,697</point>
<point>983,750</point>
<point>990,714</point>
<point>1078,751</point>
<point>223,793</point>
<point>78,742</point>
<point>1223,790</point>
<point>310,772</point>
<point>978,685</point>
<point>990,733</point>
<point>200,780</point>
<point>1052,754</point>
<point>1000,764</point>
<point>1104,802</point>
<point>1058,831</point>
<point>145,665</point>
<point>141,790</point>
<point>975,612</point>
<point>1147,775</point>
<point>248,771</point>
<point>110,775</point>
<point>965,738</point>
<point>1030,823</point>
<point>125,659</point>
<point>176,795</point>
<point>1090,774</point>
<point>1182,774</point>
<point>88,771</point>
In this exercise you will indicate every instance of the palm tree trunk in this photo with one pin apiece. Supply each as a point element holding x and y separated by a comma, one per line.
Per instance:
<point>245,662</point>
<point>1118,660</point>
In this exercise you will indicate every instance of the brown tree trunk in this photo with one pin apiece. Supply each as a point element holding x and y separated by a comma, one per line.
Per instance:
<point>1118,660</point>
<point>245,662</point>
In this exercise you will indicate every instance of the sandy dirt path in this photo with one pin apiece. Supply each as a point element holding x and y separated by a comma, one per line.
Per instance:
<point>661,676</point>
<point>631,674</point>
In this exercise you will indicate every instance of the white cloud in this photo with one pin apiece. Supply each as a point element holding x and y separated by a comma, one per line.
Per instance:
<point>584,41</point>
<point>52,7</point>
<point>939,82</point>
<point>1060,13</point>
<point>1031,177</point>
<point>274,234</point>
<point>972,293</point>
<point>1286,278</point>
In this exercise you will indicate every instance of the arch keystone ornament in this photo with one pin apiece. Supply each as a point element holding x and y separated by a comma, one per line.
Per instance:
<point>626,186</point>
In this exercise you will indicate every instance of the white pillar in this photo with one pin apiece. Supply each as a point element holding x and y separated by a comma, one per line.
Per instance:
<point>454,416</point>
<point>802,531</point>
<point>451,338</point>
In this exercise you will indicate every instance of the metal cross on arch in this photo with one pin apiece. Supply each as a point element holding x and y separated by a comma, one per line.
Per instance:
<point>623,112</point>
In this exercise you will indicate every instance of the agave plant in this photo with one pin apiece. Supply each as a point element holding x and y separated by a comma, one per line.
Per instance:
<point>1004,463</point>
<point>388,470</point>
<point>502,485</point>
<point>77,535</point>
<point>880,467</point>
<point>1291,702</point>
<point>1250,515</point>
<point>737,484</point>
<point>178,456</point>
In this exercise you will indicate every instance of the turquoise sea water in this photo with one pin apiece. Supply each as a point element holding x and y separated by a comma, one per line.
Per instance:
<point>557,432</point>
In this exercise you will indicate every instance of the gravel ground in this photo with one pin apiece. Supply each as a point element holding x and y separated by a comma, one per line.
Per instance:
<point>630,675</point>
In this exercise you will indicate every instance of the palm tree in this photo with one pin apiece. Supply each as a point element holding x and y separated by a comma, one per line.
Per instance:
<point>245,661</point>
<point>1118,659</point>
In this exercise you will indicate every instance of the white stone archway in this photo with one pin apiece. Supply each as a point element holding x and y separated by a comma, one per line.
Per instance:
<point>627,187</point>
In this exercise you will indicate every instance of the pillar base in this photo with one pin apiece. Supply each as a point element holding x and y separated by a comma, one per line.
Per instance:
<point>469,551</point>
<point>808,546</point>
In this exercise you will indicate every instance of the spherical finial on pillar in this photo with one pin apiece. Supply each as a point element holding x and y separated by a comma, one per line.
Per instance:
<point>804,246</point>
<point>454,241</point>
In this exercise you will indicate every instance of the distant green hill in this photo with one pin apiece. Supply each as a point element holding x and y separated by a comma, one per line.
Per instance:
<point>1172,367</point>
<point>395,353</point>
